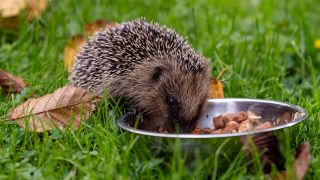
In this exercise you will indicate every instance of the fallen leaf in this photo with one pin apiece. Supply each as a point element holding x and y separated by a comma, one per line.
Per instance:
<point>267,145</point>
<point>71,50</point>
<point>302,160</point>
<point>216,86</point>
<point>98,25</point>
<point>35,7</point>
<point>74,45</point>
<point>300,166</point>
<point>66,105</point>
<point>10,83</point>
<point>216,89</point>
<point>11,9</point>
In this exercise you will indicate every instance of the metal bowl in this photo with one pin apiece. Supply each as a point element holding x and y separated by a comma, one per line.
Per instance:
<point>267,141</point>
<point>281,115</point>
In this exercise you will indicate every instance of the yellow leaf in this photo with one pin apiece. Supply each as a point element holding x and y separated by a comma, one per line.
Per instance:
<point>74,45</point>
<point>216,86</point>
<point>35,7</point>
<point>216,89</point>
<point>71,50</point>
<point>98,25</point>
<point>11,9</point>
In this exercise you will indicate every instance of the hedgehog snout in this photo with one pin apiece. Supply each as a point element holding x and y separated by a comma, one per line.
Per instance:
<point>180,124</point>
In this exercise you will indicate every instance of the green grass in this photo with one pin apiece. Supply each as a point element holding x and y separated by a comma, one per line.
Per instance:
<point>267,47</point>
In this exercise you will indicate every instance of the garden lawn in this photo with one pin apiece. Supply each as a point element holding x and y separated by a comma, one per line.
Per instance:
<point>267,47</point>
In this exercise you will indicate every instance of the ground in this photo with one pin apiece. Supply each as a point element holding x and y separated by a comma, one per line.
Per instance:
<point>267,46</point>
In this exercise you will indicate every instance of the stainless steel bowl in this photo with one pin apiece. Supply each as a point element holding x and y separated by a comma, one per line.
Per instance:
<point>210,146</point>
<point>281,115</point>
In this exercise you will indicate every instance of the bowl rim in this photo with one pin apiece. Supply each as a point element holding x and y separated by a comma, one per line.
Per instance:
<point>121,122</point>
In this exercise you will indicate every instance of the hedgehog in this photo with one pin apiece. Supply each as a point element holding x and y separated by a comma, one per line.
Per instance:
<point>152,67</point>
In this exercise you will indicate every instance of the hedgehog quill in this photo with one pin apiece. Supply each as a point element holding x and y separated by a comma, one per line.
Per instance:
<point>152,67</point>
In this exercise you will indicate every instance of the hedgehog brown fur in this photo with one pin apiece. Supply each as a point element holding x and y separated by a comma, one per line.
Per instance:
<point>152,67</point>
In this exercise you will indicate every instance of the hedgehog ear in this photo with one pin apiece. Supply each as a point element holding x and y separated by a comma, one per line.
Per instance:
<point>157,73</point>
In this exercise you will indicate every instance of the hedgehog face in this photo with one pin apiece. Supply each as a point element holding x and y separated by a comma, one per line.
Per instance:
<point>185,96</point>
<point>172,98</point>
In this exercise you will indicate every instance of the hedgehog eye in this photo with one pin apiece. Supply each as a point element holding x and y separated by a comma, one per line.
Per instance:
<point>157,73</point>
<point>171,101</point>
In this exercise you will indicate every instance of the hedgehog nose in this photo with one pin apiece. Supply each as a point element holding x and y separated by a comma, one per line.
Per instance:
<point>181,127</point>
<point>176,126</point>
<point>186,129</point>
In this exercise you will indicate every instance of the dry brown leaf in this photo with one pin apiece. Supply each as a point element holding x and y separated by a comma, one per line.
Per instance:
<point>10,10</point>
<point>10,83</point>
<point>99,24</point>
<point>74,45</point>
<point>66,105</point>
<point>302,160</point>
<point>300,167</point>
<point>35,7</point>
<point>216,87</point>
<point>71,50</point>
